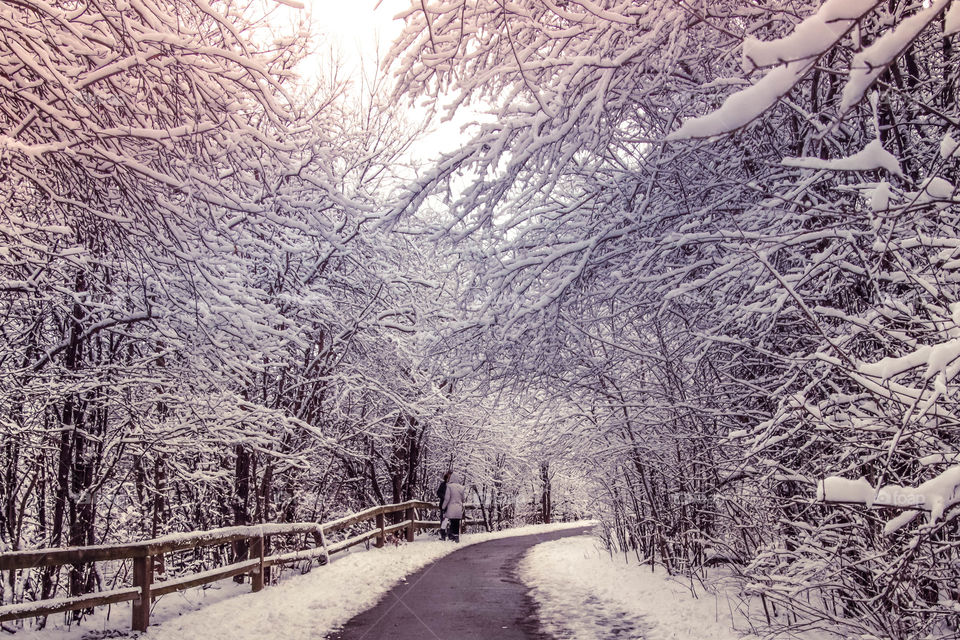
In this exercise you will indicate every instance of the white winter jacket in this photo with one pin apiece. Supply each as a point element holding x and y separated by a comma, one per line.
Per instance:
<point>453,498</point>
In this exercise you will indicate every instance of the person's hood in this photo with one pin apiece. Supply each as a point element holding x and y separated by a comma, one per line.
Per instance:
<point>455,479</point>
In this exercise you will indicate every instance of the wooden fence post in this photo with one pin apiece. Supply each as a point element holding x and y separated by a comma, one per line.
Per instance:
<point>381,535</point>
<point>142,577</point>
<point>266,552</point>
<point>412,527</point>
<point>320,540</point>
<point>256,550</point>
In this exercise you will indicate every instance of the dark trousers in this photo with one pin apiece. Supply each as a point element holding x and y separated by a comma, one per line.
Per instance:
<point>454,529</point>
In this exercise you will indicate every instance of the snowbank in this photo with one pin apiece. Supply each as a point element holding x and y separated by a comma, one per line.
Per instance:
<point>583,594</point>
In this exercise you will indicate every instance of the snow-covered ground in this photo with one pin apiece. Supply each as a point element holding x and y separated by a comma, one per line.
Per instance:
<point>584,594</point>
<point>300,607</point>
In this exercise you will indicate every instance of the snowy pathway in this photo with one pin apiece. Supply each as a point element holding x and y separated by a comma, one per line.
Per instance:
<point>471,594</point>
<point>519,584</point>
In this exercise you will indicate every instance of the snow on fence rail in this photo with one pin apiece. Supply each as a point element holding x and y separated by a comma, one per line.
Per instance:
<point>144,554</point>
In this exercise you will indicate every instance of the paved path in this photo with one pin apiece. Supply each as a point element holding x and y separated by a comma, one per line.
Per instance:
<point>471,594</point>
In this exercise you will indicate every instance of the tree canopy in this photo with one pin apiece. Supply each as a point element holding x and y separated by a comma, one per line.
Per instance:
<point>691,270</point>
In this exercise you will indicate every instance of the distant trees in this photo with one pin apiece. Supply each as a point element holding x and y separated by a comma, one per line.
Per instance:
<point>724,235</point>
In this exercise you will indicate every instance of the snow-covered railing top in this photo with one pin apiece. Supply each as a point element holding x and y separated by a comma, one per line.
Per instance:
<point>257,566</point>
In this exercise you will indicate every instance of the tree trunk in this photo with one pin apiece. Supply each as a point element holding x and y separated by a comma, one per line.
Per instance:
<point>241,500</point>
<point>546,506</point>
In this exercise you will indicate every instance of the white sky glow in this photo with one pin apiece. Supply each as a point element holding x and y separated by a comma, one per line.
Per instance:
<point>354,27</point>
<point>356,33</point>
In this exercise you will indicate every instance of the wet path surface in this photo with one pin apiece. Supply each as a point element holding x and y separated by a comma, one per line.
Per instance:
<point>471,594</point>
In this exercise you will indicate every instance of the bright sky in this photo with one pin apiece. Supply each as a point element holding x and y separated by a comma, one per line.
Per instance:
<point>355,26</point>
<point>354,29</point>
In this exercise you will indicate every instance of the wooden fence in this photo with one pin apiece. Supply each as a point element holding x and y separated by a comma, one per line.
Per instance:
<point>145,554</point>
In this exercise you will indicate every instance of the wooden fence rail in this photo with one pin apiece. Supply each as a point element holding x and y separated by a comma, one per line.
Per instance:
<point>145,554</point>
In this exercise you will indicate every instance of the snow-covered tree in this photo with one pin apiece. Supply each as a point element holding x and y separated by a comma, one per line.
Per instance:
<point>198,316</point>
<point>760,200</point>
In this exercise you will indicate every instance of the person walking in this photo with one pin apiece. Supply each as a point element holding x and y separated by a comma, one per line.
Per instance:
<point>441,493</point>
<point>453,498</point>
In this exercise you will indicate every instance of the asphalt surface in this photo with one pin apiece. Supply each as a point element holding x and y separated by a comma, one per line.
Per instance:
<point>471,594</point>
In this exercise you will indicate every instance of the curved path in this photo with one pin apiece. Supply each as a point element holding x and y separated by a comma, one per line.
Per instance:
<point>471,594</point>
